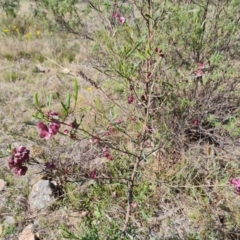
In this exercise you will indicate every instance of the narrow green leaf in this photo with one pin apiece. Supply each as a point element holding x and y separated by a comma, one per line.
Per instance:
<point>37,100</point>
<point>75,91</point>
<point>145,216</point>
<point>141,56</point>
<point>29,123</point>
<point>98,212</point>
<point>68,101</point>
<point>133,49</point>
<point>147,51</point>
<point>49,101</point>
<point>38,115</point>
<point>98,105</point>
<point>10,147</point>
<point>64,107</point>
<point>135,66</point>
<point>120,74</point>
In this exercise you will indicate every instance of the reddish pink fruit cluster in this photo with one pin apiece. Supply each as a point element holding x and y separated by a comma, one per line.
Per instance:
<point>134,205</point>
<point>106,134</point>
<point>150,129</point>
<point>74,124</point>
<point>93,174</point>
<point>47,131</point>
<point>121,19</point>
<point>95,140</point>
<point>195,122</point>
<point>19,157</point>
<point>159,52</point>
<point>199,72</point>
<point>119,121</point>
<point>110,131</point>
<point>236,183</point>
<point>106,154</point>
<point>134,119</point>
<point>130,99</point>
<point>147,144</point>
<point>72,133</point>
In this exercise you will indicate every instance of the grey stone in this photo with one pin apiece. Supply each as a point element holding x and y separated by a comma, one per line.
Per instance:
<point>41,196</point>
<point>27,233</point>
<point>9,220</point>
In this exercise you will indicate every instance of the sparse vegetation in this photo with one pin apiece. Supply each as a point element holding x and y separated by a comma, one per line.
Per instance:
<point>132,108</point>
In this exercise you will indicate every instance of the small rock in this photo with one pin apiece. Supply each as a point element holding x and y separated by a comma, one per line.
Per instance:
<point>41,68</point>
<point>41,196</point>
<point>2,184</point>
<point>9,220</point>
<point>66,71</point>
<point>27,233</point>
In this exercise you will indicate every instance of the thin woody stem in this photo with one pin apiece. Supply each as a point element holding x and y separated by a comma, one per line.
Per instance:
<point>142,147</point>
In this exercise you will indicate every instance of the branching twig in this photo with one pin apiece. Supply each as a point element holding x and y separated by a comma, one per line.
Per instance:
<point>144,132</point>
<point>100,89</point>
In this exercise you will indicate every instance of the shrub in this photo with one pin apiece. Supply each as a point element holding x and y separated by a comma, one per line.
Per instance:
<point>177,88</point>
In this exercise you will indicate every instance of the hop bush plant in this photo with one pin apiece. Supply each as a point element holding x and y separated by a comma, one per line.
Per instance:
<point>171,61</point>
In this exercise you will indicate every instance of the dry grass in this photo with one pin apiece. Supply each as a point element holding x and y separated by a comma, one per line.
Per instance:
<point>20,81</point>
<point>182,192</point>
